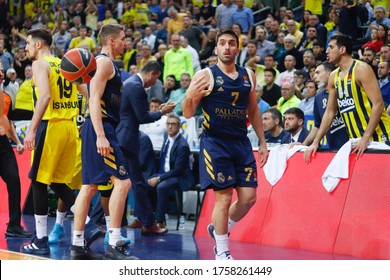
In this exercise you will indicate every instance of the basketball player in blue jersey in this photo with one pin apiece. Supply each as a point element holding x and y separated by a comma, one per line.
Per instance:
<point>51,135</point>
<point>102,158</point>
<point>354,91</point>
<point>226,161</point>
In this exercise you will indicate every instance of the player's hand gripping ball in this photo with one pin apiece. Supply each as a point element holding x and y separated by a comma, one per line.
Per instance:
<point>78,66</point>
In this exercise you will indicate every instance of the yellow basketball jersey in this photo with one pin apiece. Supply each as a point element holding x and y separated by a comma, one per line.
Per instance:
<point>356,108</point>
<point>64,101</point>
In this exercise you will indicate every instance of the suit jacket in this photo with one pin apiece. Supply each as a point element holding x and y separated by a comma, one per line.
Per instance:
<point>179,163</point>
<point>303,135</point>
<point>146,156</point>
<point>134,111</point>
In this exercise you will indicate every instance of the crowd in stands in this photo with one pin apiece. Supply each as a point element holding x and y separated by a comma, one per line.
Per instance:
<point>281,41</point>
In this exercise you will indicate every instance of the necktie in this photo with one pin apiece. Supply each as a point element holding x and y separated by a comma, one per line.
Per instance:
<point>163,157</point>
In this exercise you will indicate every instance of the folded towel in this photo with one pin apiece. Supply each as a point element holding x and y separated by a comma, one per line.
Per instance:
<point>338,168</point>
<point>277,161</point>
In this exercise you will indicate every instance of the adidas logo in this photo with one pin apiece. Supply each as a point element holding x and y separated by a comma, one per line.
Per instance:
<point>230,178</point>
<point>221,89</point>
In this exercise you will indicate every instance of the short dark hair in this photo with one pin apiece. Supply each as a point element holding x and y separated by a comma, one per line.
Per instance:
<point>343,41</point>
<point>272,70</point>
<point>155,100</point>
<point>171,76</point>
<point>300,72</point>
<point>329,67</point>
<point>295,111</point>
<point>311,81</point>
<point>151,66</point>
<point>174,116</point>
<point>119,63</point>
<point>41,34</point>
<point>229,32</point>
<point>276,114</point>
<point>371,50</point>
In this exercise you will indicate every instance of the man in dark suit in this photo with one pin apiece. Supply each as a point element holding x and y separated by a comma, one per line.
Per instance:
<point>294,119</point>
<point>134,111</point>
<point>174,168</point>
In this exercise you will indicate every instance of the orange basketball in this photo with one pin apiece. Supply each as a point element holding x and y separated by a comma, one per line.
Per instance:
<point>78,66</point>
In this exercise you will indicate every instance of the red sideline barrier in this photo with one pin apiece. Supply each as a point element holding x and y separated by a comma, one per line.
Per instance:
<point>24,164</point>
<point>299,213</point>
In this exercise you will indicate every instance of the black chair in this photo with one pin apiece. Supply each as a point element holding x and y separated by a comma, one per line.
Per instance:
<point>179,203</point>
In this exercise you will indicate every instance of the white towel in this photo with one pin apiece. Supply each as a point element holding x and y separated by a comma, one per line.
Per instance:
<point>277,161</point>
<point>338,168</point>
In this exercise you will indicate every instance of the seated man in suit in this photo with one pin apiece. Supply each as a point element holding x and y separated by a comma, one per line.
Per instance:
<point>174,168</point>
<point>293,123</point>
<point>274,132</point>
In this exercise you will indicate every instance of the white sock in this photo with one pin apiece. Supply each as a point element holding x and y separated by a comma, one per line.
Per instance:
<point>60,218</point>
<point>107,218</point>
<point>78,238</point>
<point>114,236</point>
<point>231,224</point>
<point>222,243</point>
<point>41,225</point>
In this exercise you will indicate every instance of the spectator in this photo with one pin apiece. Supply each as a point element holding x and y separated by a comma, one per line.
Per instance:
<point>223,14</point>
<point>369,57</point>
<point>20,63</point>
<point>264,47</point>
<point>274,132</point>
<point>177,60</point>
<point>274,31</point>
<point>6,58</point>
<point>141,13</point>
<point>244,17</point>
<point>146,55</point>
<point>382,33</point>
<point>129,57</point>
<point>289,45</point>
<point>294,31</point>
<point>263,106</point>
<point>305,20</point>
<point>308,59</point>
<point>175,23</point>
<point>269,62</point>
<point>73,34</point>
<point>150,38</point>
<point>11,85</point>
<point>178,95</point>
<point>193,52</point>
<point>83,40</point>
<point>164,8</point>
<point>91,12</point>
<point>271,91</point>
<point>384,81</point>
<point>195,36</point>
<point>207,13</point>
<point>24,102</point>
<point>318,50</point>
<point>294,120</point>
<point>210,46</point>
<point>375,43</point>
<point>252,58</point>
<point>299,83</point>
<point>385,53</point>
<point>242,57</point>
<point>322,33</point>
<point>380,17</point>
<point>307,104</point>
<point>155,130</point>
<point>288,75</point>
<point>311,37</point>
<point>288,99</point>
<point>174,171</point>
<point>109,18</point>
<point>280,50</point>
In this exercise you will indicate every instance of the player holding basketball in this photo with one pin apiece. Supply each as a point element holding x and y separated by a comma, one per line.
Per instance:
<point>226,159</point>
<point>52,134</point>
<point>102,158</point>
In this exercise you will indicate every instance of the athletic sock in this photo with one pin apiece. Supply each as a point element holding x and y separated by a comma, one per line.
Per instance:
<point>222,243</point>
<point>41,225</point>
<point>115,236</point>
<point>60,218</point>
<point>107,218</point>
<point>78,238</point>
<point>231,224</point>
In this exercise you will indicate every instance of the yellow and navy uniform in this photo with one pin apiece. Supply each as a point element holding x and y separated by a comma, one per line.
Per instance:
<point>355,107</point>
<point>55,153</point>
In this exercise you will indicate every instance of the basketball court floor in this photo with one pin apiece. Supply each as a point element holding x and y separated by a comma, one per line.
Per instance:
<point>175,245</point>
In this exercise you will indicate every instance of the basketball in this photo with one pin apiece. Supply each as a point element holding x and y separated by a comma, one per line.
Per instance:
<point>78,66</point>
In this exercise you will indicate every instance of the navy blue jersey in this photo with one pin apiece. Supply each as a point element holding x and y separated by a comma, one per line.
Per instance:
<point>283,138</point>
<point>337,135</point>
<point>225,108</point>
<point>110,102</point>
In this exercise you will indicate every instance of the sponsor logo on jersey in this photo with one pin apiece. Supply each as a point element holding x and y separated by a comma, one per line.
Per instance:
<point>346,104</point>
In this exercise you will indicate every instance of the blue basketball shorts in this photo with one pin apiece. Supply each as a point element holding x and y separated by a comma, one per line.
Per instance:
<point>225,163</point>
<point>97,169</point>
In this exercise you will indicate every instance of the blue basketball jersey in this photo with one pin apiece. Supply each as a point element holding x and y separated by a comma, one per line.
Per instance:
<point>110,102</point>
<point>225,108</point>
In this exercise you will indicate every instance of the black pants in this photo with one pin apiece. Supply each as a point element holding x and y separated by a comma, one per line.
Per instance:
<point>9,172</point>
